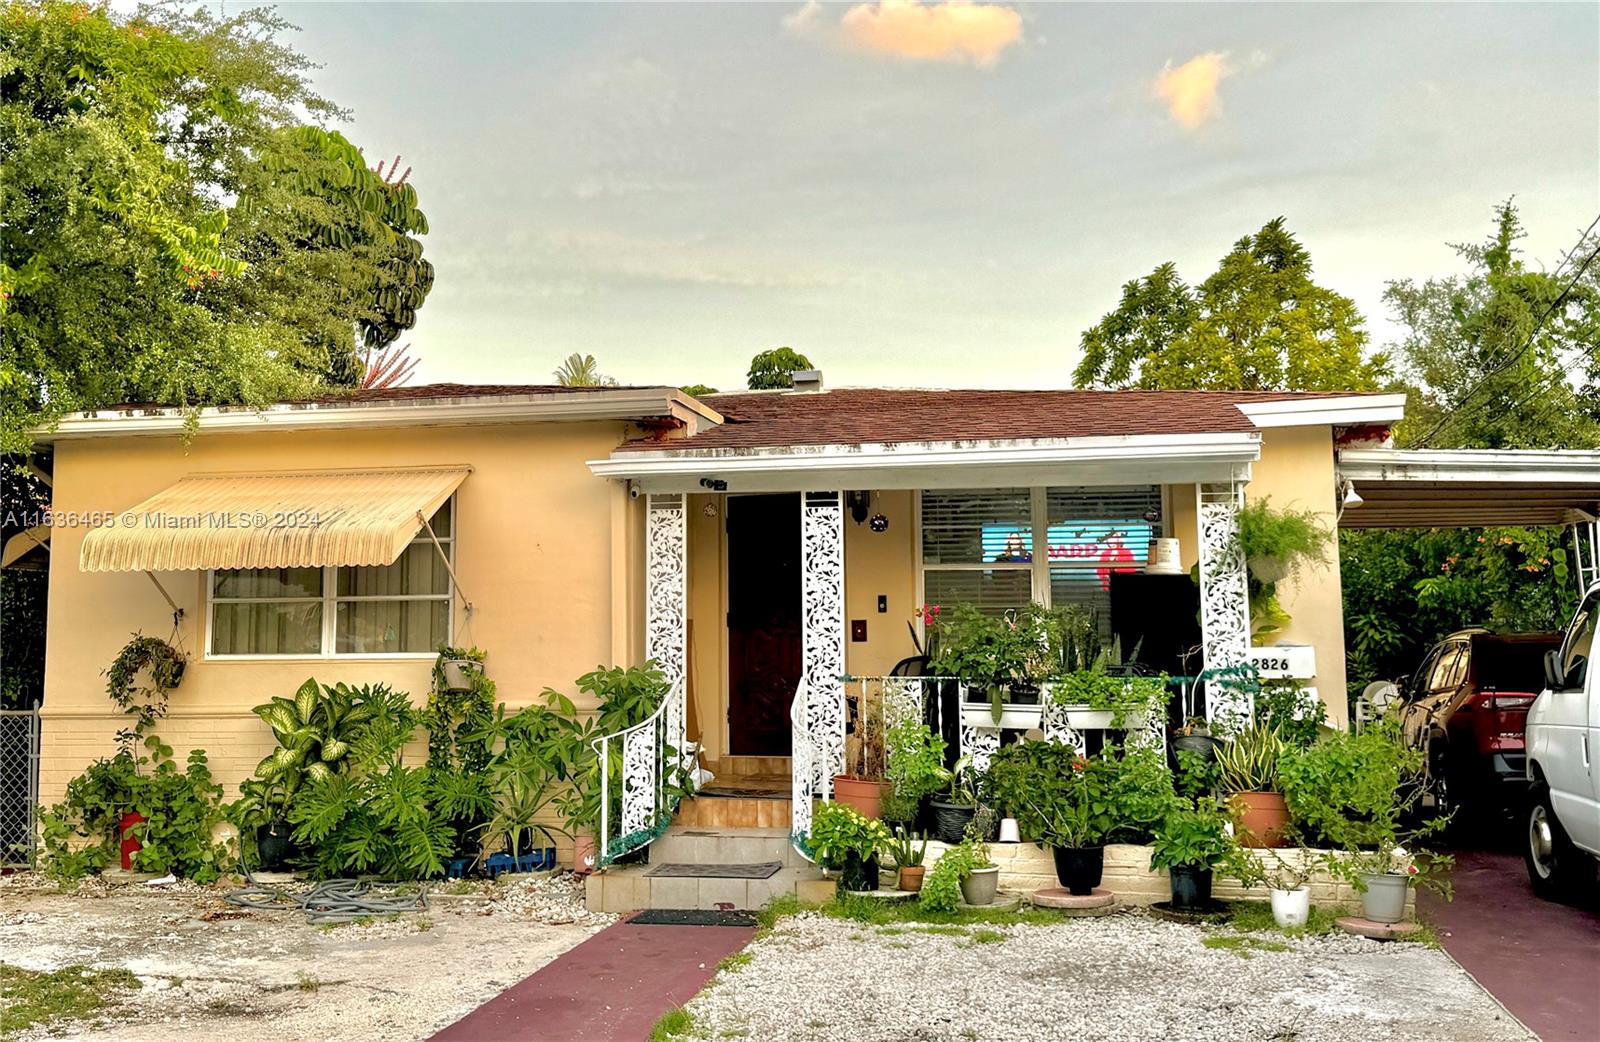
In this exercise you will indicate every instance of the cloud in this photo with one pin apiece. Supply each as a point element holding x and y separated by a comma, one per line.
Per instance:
<point>1190,90</point>
<point>960,31</point>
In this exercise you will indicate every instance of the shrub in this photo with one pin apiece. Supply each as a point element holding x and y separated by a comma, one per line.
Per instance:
<point>941,889</point>
<point>1191,837</point>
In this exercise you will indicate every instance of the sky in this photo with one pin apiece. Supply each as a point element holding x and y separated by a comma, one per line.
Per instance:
<point>934,194</point>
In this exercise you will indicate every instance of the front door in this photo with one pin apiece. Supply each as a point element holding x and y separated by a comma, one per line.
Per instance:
<point>763,621</point>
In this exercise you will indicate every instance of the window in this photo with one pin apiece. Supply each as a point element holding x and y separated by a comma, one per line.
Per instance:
<point>397,609</point>
<point>1579,644</point>
<point>978,544</point>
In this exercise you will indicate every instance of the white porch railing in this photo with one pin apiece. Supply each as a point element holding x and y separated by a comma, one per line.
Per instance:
<point>647,763</point>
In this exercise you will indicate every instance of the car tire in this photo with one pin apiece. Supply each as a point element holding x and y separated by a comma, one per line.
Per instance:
<point>1442,785</point>
<point>1555,866</point>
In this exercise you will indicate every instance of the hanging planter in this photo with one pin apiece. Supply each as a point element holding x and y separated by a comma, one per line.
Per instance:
<point>458,673</point>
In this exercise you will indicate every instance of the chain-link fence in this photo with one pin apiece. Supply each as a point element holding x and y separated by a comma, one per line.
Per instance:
<point>19,783</point>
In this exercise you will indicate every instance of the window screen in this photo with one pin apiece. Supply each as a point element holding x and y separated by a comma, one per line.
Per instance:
<point>977,547</point>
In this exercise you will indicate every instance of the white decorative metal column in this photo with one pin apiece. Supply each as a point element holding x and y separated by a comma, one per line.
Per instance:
<point>666,629</point>
<point>1224,599</point>
<point>822,629</point>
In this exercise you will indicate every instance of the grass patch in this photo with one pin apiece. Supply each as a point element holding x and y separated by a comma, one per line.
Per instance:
<point>1243,947</point>
<point>984,935</point>
<point>1256,917</point>
<point>735,962</point>
<point>305,982</point>
<point>674,1023</point>
<point>34,997</point>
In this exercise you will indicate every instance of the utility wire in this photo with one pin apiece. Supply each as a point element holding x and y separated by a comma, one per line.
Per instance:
<point>1560,298</point>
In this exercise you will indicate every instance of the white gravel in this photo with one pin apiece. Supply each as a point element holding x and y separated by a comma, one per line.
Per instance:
<point>1126,977</point>
<point>211,970</point>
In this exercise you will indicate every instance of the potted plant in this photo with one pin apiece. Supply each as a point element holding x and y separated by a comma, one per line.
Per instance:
<point>954,813</point>
<point>1285,877</point>
<point>1061,801</point>
<point>908,852</point>
<point>1195,737</point>
<point>863,784</point>
<point>846,840</point>
<point>915,769</point>
<point>458,669</point>
<point>1248,763</point>
<point>1276,545</point>
<point>980,883</point>
<point>262,813</point>
<point>962,873</point>
<point>990,656</point>
<point>1189,844</point>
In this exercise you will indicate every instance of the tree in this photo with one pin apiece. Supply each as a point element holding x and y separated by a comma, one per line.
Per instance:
<point>1258,323</point>
<point>170,233</point>
<point>775,369</point>
<point>582,371</point>
<point>698,390</point>
<point>1486,371</point>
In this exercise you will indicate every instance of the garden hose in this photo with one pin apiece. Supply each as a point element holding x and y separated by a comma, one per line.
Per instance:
<point>333,901</point>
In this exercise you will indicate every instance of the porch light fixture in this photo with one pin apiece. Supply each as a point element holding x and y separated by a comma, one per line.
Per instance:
<point>714,484</point>
<point>859,503</point>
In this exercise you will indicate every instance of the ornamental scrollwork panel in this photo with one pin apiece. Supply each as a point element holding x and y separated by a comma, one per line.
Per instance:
<point>639,764</point>
<point>666,600</point>
<point>1224,598</point>
<point>822,629</point>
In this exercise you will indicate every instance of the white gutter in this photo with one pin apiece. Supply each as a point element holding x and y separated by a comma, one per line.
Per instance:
<point>1099,460</point>
<point>1574,468</point>
<point>621,404</point>
<point>1352,411</point>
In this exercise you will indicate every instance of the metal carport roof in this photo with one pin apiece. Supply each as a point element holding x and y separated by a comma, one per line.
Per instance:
<point>1468,488</point>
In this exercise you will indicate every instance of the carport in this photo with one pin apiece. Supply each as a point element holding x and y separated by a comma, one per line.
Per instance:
<point>1539,959</point>
<point>1473,488</point>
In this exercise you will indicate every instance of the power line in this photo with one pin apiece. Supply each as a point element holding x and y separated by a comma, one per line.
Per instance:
<point>1560,298</point>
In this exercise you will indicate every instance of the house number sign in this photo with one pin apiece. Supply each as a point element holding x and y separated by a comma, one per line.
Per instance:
<point>1285,661</point>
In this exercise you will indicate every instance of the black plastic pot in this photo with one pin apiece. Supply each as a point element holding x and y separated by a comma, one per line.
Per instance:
<point>1202,744</point>
<point>274,845</point>
<point>1191,888</point>
<point>950,820</point>
<point>1079,869</point>
<point>858,873</point>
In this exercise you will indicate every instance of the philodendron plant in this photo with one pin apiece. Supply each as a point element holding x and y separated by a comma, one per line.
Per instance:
<point>316,730</point>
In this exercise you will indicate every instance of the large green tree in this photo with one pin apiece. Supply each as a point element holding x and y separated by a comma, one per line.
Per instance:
<point>1258,322</point>
<point>1497,355</point>
<point>169,231</point>
<point>774,369</point>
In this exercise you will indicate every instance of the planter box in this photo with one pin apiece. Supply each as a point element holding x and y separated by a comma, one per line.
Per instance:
<point>1012,717</point>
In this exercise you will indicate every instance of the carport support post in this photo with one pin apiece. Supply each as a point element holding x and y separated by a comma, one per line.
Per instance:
<point>1224,601</point>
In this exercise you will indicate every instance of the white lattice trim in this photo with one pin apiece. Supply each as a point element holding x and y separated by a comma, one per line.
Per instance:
<point>1224,599</point>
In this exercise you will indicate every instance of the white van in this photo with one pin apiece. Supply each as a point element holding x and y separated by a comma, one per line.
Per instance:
<point>1563,743</point>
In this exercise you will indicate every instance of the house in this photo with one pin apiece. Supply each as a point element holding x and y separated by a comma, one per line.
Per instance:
<point>755,544</point>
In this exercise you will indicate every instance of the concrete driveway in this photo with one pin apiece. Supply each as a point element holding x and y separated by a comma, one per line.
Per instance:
<point>1541,960</point>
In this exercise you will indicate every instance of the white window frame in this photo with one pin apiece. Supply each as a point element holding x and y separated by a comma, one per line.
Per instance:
<point>330,601</point>
<point>1039,567</point>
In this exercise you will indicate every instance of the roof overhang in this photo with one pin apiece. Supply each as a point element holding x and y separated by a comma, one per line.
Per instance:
<point>1119,460</point>
<point>1469,488</point>
<point>620,404</point>
<point>1356,410</point>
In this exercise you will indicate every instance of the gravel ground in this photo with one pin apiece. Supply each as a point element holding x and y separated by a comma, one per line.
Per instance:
<point>211,970</point>
<point>1125,977</point>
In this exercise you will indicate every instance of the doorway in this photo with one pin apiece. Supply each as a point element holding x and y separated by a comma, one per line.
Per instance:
<point>764,640</point>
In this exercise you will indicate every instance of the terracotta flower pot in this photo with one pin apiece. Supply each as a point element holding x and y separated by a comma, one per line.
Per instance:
<point>1260,818</point>
<point>865,796</point>
<point>584,853</point>
<point>911,877</point>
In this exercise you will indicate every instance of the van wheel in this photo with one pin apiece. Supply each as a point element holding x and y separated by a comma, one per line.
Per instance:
<point>1554,865</point>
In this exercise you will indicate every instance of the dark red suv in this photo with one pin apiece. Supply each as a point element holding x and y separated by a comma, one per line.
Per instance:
<point>1467,705</point>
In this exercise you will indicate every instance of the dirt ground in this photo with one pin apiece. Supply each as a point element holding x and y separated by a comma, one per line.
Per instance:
<point>212,970</point>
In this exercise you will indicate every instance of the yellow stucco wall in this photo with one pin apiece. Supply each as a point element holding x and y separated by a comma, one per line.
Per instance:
<point>1296,470</point>
<point>549,555</point>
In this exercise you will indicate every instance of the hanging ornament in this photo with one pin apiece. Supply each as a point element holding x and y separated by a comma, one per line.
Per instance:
<point>879,523</point>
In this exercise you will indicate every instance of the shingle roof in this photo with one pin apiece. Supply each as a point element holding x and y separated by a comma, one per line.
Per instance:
<point>856,416</point>
<point>420,391</point>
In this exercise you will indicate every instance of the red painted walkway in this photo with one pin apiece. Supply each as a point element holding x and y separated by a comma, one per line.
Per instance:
<point>611,988</point>
<point>1539,958</point>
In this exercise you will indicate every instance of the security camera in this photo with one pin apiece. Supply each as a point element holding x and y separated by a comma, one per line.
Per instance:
<point>633,491</point>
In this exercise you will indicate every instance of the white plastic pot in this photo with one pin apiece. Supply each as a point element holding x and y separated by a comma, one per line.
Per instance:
<point>1384,900</point>
<point>1291,907</point>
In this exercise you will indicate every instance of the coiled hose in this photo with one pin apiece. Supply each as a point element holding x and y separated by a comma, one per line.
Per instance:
<point>333,901</point>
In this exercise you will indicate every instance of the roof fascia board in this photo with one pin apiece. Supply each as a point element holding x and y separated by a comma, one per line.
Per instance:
<point>591,405</point>
<point>1350,411</point>
<point>1575,467</point>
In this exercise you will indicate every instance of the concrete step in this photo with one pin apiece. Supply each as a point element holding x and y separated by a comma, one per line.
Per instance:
<point>627,888</point>
<point>695,845</point>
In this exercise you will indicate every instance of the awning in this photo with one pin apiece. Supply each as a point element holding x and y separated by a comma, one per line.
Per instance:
<point>283,520</point>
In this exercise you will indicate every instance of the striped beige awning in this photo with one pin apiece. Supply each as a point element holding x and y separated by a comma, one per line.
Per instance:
<point>284,520</point>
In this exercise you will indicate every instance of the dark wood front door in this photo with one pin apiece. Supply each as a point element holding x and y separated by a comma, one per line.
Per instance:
<point>763,621</point>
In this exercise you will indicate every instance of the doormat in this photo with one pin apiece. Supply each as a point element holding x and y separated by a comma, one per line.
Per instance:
<point>691,917</point>
<point>675,870</point>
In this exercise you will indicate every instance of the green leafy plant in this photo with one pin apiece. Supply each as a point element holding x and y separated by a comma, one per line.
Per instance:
<point>1288,869</point>
<point>379,817</point>
<point>455,719</point>
<point>320,726</point>
<point>1197,775</point>
<point>1191,837</point>
<point>905,849</point>
<point>987,653</point>
<point>1248,762</point>
<point>155,659</point>
<point>961,781</point>
<point>838,831</point>
<point>1290,711</point>
<point>1277,545</point>
<point>941,889</point>
<point>915,760</point>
